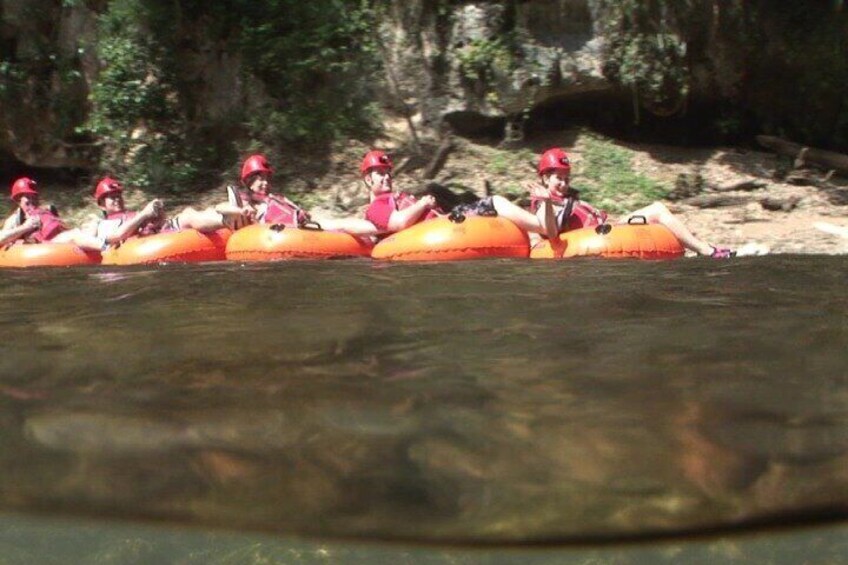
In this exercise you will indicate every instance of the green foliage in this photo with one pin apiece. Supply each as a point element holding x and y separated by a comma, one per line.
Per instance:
<point>611,182</point>
<point>317,60</point>
<point>644,52</point>
<point>782,63</point>
<point>308,69</point>
<point>136,108</point>
<point>11,74</point>
<point>483,59</point>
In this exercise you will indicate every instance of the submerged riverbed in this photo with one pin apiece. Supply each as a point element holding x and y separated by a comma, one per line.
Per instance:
<point>495,402</point>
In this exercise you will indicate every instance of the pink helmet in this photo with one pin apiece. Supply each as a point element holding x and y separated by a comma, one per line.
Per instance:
<point>106,187</point>
<point>23,185</point>
<point>255,164</point>
<point>375,160</point>
<point>554,160</point>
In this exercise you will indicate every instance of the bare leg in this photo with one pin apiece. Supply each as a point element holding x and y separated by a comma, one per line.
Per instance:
<point>353,226</point>
<point>657,213</point>
<point>80,239</point>
<point>519,216</point>
<point>200,220</point>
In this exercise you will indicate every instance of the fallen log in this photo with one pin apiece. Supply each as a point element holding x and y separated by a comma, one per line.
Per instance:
<point>742,186</point>
<point>828,160</point>
<point>714,200</point>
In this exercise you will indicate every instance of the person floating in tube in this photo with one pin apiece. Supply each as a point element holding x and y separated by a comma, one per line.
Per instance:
<point>119,224</point>
<point>274,208</point>
<point>553,200</point>
<point>392,211</point>
<point>32,223</point>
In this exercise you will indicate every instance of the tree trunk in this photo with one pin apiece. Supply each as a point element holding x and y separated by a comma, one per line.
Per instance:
<point>828,160</point>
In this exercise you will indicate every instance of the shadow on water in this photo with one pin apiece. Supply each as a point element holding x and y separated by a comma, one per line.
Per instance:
<point>486,403</point>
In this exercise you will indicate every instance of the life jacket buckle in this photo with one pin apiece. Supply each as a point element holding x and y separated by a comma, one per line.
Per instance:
<point>603,229</point>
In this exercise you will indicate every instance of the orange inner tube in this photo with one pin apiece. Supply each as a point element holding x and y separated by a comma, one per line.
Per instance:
<point>47,255</point>
<point>636,241</point>
<point>264,242</point>
<point>444,240</point>
<point>186,246</point>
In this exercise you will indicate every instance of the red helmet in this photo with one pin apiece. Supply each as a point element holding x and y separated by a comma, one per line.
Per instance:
<point>255,164</point>
<point>375,160</point>
<point>23,185</point>
<point>554,160</point>
<point>106,187</point>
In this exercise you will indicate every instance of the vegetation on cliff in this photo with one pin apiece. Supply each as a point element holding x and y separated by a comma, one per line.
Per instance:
<point>307,71</point>
<point>762,66</point>
<point>310,72</point>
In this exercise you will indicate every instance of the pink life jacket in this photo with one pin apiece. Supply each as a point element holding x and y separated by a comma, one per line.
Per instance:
<point>579,214</point>
<point>51,225</point>
<point>281,210</point>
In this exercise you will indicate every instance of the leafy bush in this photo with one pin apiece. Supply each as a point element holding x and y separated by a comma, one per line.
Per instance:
<point>314,63</point>
<point>645,53</point>
<point>482,59</point>
<point>136,110</point>
<point>318,62</point>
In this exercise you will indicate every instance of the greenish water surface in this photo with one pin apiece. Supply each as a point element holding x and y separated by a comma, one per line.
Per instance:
<point>483,404</point>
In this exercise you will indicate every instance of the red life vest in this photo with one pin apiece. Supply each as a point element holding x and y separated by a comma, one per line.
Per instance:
<point>281,210</point>
<point>403,200</point>
<point>51,225</point>
<point>582,215</point>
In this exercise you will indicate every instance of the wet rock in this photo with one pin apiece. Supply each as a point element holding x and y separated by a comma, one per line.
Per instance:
<point>780,204</point>
<point>686,185</point>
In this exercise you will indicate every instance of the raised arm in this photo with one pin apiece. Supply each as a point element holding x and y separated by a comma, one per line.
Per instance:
<point>14,229</point>
<point>545,212</point>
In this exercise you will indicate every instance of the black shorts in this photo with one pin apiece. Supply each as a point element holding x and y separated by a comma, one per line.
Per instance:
<point>483,207</point>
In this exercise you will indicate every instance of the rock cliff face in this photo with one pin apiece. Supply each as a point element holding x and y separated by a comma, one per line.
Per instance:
<point>46,68</point>
<point>472,63</point>
<point>476,65</point>
<point>48,64</point>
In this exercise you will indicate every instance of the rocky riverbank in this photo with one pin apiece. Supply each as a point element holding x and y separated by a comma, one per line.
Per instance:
<point>728,196</point>
<point>769,206</point>
<point>743,196</point>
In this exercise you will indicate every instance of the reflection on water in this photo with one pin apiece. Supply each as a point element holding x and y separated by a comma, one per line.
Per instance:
<point>485,402</point>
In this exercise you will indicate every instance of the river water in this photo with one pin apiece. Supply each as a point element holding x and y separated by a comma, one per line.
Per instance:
<point>496,403</point>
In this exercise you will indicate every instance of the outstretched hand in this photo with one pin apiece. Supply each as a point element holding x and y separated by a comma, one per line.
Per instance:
<point>537,190</point>
<point>32,222</point>
<point>153,209</point>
